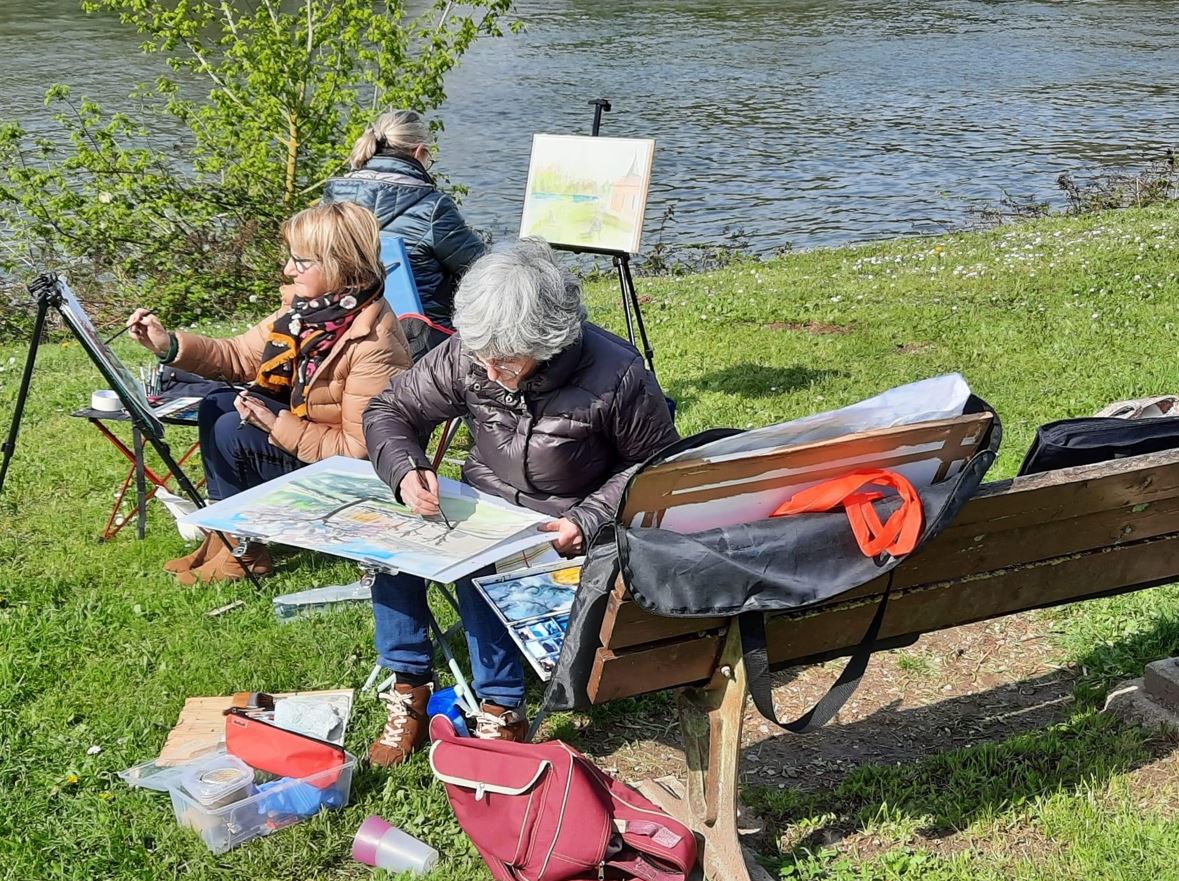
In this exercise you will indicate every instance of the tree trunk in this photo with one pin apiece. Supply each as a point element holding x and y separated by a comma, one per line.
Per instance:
<point>292,156</point>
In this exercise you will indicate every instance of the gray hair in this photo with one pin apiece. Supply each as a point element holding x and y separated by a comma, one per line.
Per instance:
<point>517,302</point>
<point>400,131</point>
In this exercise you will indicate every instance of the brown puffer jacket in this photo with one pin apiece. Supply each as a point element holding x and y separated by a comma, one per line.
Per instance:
<point>372,351</point>
<point>564,444</point>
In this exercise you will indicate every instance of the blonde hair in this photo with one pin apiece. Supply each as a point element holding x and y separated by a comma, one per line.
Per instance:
<point>401,131</point>
<point>346,240</point>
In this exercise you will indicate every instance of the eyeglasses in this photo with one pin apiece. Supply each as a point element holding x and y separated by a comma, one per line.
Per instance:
<point>500,366</point>
<point>302,264</point>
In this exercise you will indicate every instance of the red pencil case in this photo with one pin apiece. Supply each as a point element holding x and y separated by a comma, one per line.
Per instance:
<point>266,747</point>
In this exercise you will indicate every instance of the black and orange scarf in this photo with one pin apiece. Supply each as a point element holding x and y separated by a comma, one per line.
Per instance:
<point>303,337</point>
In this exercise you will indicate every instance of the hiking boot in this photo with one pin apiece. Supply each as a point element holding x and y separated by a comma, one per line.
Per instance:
<point>494,722</point>
<point>222,565</point>
<point>406,728</point>
<point>196,558</point>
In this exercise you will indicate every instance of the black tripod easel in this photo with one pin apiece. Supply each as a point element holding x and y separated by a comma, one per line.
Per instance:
<point>49,289</point>
<point>631,309</point>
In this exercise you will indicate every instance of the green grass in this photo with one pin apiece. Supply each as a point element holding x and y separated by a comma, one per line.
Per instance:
<point>1048,320</point>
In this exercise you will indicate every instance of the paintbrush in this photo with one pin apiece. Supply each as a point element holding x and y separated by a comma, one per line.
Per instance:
<point>426,487</point>
<point>126,327</point>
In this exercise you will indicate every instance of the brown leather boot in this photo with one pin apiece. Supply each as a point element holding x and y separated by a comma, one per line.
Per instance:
<point>222,565</point>
<point>196,558</point>
<point>407,726</point>
<point>494,722</point>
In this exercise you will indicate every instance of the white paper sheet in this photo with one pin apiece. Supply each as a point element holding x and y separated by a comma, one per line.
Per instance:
<point>941,397</point>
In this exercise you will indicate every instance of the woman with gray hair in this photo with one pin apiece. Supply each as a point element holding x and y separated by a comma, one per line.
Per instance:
<point>561,412</point>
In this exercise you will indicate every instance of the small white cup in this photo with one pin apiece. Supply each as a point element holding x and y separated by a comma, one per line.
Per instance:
<point>383,846</point>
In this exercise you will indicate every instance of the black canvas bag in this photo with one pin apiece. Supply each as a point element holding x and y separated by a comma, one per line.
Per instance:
<point>746,570</point>
<point>1089,440</point>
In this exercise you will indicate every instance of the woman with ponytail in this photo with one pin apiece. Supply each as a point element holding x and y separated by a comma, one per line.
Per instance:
<point>390,176</point>
<point>311,368</point>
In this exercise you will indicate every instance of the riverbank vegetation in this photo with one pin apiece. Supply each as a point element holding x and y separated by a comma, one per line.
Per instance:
<point>1012,773</point>
<point>266,101</point>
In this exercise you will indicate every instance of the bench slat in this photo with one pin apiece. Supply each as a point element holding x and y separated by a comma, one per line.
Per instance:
<point>652,668</point>
<point>803,636</point>
<point>626,624</point>
<point>1036,498</point>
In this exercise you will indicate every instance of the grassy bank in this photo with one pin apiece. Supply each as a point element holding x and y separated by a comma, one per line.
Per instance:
<point>1048,320</point>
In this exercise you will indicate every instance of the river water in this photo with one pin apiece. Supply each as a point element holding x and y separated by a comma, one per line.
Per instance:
<point>810,122</point>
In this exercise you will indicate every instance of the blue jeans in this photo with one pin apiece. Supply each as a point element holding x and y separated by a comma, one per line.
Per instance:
<point>237,458</point>
<point>403,638</point>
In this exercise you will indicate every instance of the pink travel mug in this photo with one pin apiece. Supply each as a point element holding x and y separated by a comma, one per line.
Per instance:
<point>384,846</point>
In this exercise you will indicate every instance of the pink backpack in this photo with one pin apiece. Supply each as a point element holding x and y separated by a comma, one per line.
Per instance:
<point>544,812</point>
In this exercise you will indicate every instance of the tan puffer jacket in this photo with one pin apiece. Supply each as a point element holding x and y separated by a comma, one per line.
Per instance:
<point>372,351</point>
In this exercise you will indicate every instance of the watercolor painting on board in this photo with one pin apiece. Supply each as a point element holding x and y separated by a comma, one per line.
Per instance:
<point>340,507</point>
<point>587,192</point>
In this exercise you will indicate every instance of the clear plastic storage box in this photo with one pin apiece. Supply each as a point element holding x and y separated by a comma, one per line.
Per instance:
<point>225,820</point>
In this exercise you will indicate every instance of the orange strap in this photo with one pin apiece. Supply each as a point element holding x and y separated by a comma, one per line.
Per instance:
<point>897,537</point>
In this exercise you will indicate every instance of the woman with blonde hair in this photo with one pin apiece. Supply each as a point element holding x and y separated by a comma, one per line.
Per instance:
<point>312,367</point>
<point>390,176</point>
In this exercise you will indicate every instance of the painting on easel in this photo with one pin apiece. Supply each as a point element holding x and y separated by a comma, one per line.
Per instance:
<point>586,192</point>
<point>129,389</point>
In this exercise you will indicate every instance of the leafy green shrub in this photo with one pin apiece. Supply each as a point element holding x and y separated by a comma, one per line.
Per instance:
<point>194,230</point>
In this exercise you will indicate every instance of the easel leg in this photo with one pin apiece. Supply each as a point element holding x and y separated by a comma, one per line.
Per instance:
<point>44,301</point>
<point>628,292</point>
<point>140,483</point>
<point>630,330</point>
<point>710,724</point>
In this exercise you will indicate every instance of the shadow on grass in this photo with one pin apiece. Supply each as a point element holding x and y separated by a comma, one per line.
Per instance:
<point>934,770</point>
<point>752,380</point>
<point>938,768</point>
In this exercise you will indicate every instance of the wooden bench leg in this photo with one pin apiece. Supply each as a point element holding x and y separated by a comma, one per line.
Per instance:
<point>710,724</point>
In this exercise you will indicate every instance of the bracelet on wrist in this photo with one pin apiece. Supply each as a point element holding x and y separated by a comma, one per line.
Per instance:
<point>173,350</point>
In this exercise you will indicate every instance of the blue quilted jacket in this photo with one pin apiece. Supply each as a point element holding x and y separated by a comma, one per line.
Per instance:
<point>403,196</point>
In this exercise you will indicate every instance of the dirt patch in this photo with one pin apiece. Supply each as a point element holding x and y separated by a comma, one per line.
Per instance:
<point>959,687</point>
<point>815,328</point>
<point>914,348</point>
<point>984,682</point>
<point>953,689</point>
<point>1156,785</point>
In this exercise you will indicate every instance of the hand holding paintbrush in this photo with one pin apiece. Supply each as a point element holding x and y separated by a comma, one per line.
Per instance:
<point>420,492</point>
<point>135,320</point>
<point>253,412</point>
<point>147,330</point>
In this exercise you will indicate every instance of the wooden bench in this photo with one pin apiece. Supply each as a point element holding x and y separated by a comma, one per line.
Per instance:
<point>1021,544</point>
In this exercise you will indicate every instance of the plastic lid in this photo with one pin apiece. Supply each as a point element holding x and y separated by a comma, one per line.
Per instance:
<point>215,781</point>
